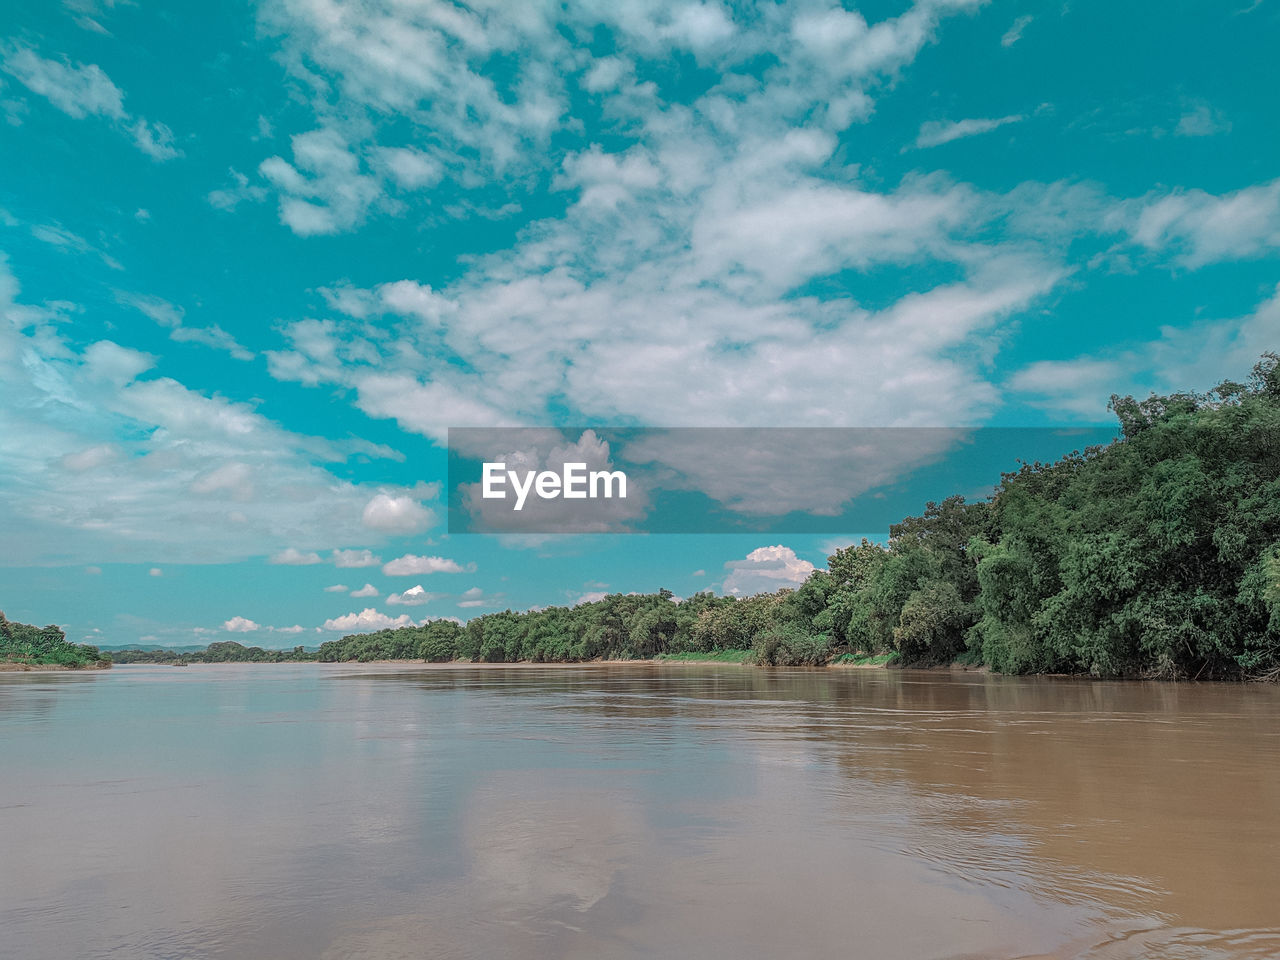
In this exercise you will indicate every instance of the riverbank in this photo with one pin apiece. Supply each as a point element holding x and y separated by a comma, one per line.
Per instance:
<point>14,666</point>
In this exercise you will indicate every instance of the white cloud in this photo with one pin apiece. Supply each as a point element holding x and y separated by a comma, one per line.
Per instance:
<point>410,168</point>
<point>1014,33</point>
<point>413,597</point>
<point>79,91</point>
<point>336,588</point>
<point>399,515</point>
<point>410,564</point>
<point>1202,228</point>
<point>475,597</point>
<point>1195,357</point>
<point>323,191</point>
<point>84,90</point>
<point>155,572</point>
<point>368,590</point>
<point>93,571</point>
<point>91,458</point>
<point>367,619</point>
<point>934,133</point>
<point>296,628</point>
<point>98,457</point>
<point>354,559</point>
<point>292,556</point>
<point>240,191</point>
<point>765,570</point>
<point>1202,120</point>
<point>240,625</point>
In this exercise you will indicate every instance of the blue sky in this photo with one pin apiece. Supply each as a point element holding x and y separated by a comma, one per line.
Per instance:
<point>257,258</point>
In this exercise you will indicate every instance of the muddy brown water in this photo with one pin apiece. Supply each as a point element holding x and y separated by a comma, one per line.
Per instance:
<point>329,811</point>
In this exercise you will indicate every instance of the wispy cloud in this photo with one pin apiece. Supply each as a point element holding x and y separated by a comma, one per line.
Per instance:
<point>1014,33</point>
<point>1202,120</point>
<point>84,90</point>
<point>934,133</point>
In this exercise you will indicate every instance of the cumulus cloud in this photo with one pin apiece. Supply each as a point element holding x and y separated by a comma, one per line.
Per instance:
<point>413,597</point>
<point>367,619</point>
<point>293,557</point>
<point>354,559</point>
<point>336,588</point>
<point>398,515</point>
<point>324,189</point>
<point>368,590</point>
<point>765,570</point>
<point>409,564</point>
<point>240,625</point>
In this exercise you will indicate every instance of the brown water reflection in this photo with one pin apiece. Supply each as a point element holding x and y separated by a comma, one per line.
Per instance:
<point>282,811</point>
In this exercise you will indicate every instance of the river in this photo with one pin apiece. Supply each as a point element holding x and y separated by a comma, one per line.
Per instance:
<point>281,811</point>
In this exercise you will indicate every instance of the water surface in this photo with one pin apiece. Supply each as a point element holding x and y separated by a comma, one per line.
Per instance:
<point>280,811</point>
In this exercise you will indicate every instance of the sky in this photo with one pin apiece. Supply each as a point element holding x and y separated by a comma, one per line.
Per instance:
<point>257,258</point>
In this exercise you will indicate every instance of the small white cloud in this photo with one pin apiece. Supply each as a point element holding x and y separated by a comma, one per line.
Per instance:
<point>294,557</point>
<point>699,573</point>
<point>156,572</point>
<point>368,590</point>
<point>765,570</point>
<point>1014,33</point>
<point>240,625</point>
<point>410,169</point>
<point>409,564</point>
<point>413,597</point>
<point>1202,121</point>
<point>296,628</point>
<point>354,559</point>
<point>592,596</point>
<point>336,588</point>
<point>367,619</point>
<point>93,571</point>
<point>475,597</point>
<point>401,515</point>
<point>934,133</point>
<point>93,457</point>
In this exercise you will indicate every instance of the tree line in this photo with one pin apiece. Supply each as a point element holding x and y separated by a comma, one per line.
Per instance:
<point>222,651</point>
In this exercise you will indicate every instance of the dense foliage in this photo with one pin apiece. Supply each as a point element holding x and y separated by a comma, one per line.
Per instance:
<point>44,646</point>
<point>1156,555</point>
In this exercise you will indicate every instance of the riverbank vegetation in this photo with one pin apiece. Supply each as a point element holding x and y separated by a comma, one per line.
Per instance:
<point>45,647</point>
<point>223,651</point>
